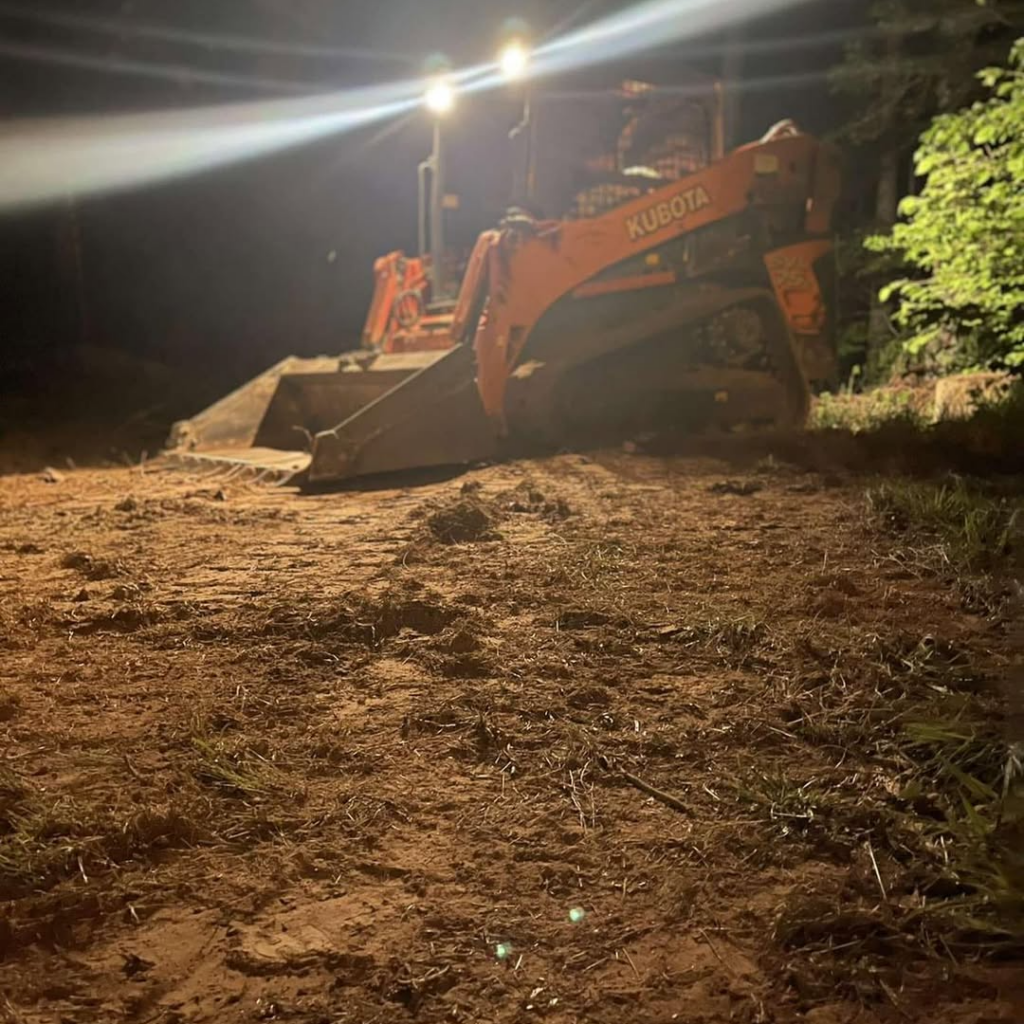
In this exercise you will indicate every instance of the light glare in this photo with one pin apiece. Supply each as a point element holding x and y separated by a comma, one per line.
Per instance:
<point>514,61</point>
<point>45,161</point>
<point>645,26</point>
<point>440,98</point>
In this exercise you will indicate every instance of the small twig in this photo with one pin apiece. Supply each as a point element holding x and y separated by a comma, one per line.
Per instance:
<point>9,1013</point>
<point>131,768</point>
<point>645,787</point>
<point>711,946</point>
<point>432,975</point>
<point>629,960</point>
<point>878,874</point>
<point>575,801</point>
<point>887,989</point>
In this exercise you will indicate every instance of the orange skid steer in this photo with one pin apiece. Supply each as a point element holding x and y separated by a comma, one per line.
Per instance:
<point>698,294</point>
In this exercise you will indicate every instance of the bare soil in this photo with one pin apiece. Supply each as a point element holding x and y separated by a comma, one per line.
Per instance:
<point>547,741</point>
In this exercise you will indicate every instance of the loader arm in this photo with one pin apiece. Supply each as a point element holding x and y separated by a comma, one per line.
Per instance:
<point>781,187</point>
<point>388,274</point>
<point>400,298</point>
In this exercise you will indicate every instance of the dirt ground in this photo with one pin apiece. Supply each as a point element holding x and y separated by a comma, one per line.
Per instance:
<point>539,742</point>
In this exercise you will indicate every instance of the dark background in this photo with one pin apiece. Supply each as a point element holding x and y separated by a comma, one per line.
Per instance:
<point>221,274</point>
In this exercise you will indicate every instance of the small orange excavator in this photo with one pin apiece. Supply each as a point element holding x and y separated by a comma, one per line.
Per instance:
<point>678,284</point>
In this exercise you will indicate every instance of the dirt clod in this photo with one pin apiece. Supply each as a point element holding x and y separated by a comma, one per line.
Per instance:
<point>465,521</point>
<point>741,488</point>
<point>27,548</point>
<point>91,568</point>
<point>581,618</point>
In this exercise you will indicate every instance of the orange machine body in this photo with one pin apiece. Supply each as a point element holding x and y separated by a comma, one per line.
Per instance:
<point>528,274</point>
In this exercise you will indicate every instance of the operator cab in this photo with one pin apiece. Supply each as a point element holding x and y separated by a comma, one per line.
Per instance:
<point>582,154</point>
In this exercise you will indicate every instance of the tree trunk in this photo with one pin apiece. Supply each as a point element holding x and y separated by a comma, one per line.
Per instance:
<point>70,259</point>
<point>887,200</point>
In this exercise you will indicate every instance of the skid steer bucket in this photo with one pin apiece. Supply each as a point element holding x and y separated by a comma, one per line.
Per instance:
<point>268,426</point>
<point>432,418</point>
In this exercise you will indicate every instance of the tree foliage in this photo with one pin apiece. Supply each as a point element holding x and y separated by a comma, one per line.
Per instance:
<point>916,59</point>
<point>963,236</point>
<point>919,59</point>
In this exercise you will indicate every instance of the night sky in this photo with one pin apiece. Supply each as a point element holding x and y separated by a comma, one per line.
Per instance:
<point>225,272</point>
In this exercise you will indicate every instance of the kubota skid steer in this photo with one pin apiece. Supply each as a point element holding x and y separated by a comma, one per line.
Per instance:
<point>699,292</point>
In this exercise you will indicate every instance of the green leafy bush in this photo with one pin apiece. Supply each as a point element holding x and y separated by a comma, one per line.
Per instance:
<point>964,234</point>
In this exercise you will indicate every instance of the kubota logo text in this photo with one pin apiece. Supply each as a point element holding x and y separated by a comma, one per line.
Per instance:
<point>660,215</point>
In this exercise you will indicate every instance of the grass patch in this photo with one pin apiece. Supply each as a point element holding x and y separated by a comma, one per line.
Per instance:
<point>971,775</point>
<point>792,807</point>
<point>967,529</point>
<point>592,565</point>
<point>872,410</point>
<point>894,429</point>
<point>736,641</point>
<point>44,843</point>
<point>957,827</point>
<point>235,772</point>
<point>927,808</point>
